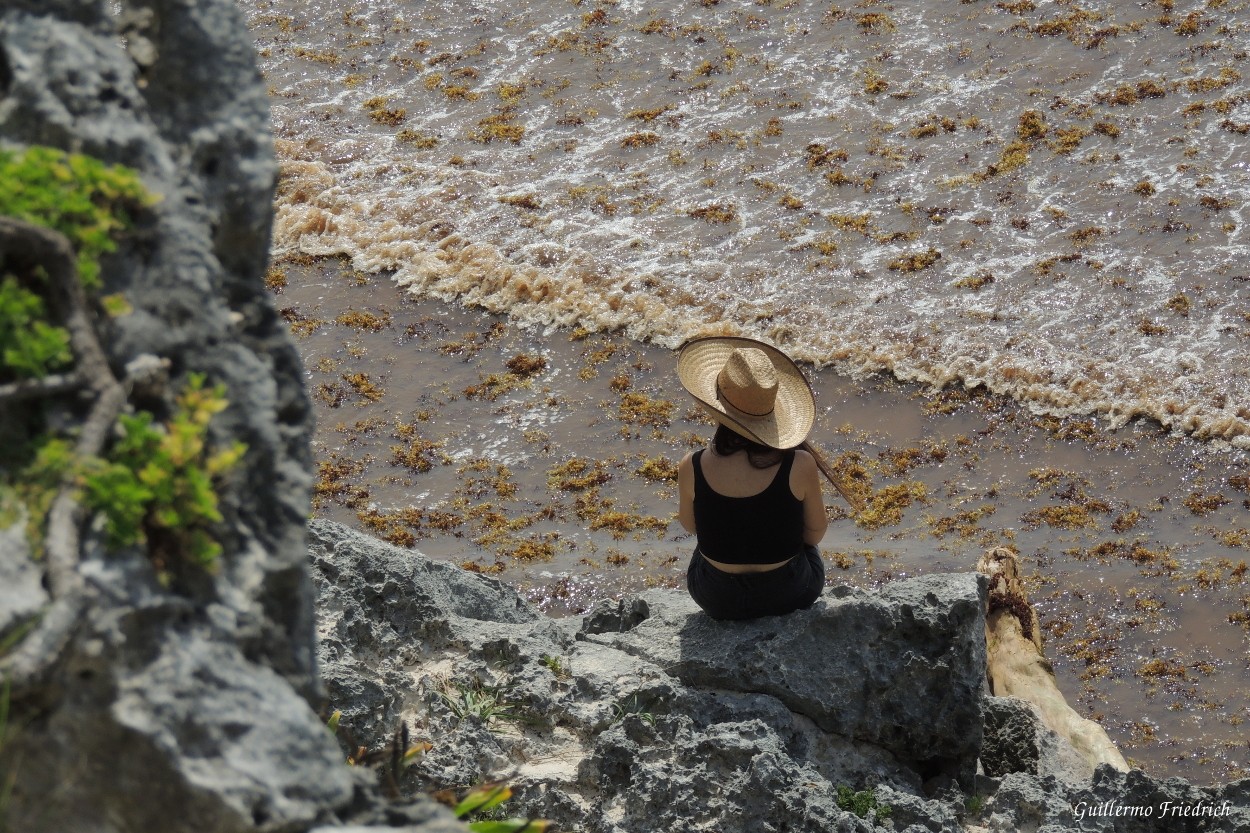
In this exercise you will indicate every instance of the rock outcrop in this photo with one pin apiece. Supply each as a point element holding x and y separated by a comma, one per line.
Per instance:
<point>646,715</point>
<point>162,710</point>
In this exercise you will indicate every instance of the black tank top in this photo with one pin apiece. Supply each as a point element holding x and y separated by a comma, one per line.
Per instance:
<point>764,528</point>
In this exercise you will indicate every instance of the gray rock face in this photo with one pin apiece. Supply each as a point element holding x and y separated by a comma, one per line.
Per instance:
<point>645,715</point>
<point>1016,740</point>
<point>382,609</point>
<point>177,712</point>
<point>902,670</point>
<point>1123,802</point>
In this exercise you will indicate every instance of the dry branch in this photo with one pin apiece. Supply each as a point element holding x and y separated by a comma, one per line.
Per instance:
<point>1017,667</point>
<point>24,247</point>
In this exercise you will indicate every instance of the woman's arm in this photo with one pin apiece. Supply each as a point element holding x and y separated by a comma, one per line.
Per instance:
<point>685,491</point>
<point>805,476</point>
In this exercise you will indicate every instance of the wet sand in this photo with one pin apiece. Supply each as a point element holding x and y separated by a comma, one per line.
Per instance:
<point>547,458</point>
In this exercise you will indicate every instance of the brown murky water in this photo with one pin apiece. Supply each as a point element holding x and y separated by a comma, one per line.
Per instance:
<point>1042,200</point>
<point>550,470</point>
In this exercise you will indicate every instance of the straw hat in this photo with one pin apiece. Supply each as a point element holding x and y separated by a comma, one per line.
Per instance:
<point>750,387</point>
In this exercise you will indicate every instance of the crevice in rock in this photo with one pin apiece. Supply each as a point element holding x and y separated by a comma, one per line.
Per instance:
<point>6,73</point>
<point>625,615</point>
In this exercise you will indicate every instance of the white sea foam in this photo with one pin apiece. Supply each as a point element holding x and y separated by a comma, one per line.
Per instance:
<point>668,184</point>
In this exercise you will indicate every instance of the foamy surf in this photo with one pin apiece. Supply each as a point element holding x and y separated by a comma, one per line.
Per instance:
<point>1042,203</point>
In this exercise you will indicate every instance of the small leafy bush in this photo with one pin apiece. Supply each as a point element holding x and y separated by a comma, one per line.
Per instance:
<point>863,804</point>
<point>154,485</point>
<point>85,199</point>
<point>160,477</point>
<point>47,461</point>
<point>30,347</point>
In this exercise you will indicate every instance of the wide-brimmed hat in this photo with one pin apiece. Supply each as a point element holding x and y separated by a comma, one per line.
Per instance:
<point>750,387</point>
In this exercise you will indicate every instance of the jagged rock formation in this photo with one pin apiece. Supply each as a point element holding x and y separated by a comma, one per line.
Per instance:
<point>189,710</point>
<point>646,715</point>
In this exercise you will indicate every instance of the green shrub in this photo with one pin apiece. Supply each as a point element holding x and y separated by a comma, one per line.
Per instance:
<point>30,347</point>
<point>47,461</point>
<point>81,197</point>
<point>862,804</point>
<point>160,477</point>
<point>154,485</point>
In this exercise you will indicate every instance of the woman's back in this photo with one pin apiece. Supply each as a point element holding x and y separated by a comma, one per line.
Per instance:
<point>735,475</point>
<point>744,514</point>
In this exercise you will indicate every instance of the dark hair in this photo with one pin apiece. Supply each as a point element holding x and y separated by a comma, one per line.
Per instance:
<point>726,441</point>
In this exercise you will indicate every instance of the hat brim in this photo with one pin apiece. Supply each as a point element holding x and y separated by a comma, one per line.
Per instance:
<point>700,362</point>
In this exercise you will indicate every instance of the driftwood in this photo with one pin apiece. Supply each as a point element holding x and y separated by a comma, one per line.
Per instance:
<point>1017,666</point>
<point>23,248</point>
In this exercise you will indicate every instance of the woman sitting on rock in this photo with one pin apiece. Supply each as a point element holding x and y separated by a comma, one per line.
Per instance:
<point>752,498</point>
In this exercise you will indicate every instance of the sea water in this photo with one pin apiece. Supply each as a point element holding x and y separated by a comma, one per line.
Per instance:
<point>1042,198</point>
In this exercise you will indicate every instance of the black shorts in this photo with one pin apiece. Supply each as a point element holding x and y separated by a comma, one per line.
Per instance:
<point>750,595</point>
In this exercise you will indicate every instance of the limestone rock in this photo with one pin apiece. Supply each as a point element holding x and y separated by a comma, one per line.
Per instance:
<point>637,717</point>
<point>198,700</point>
<point>644,715</point>
<point>902,670</point>
<point>382,608</point>
<point>1017,739</point>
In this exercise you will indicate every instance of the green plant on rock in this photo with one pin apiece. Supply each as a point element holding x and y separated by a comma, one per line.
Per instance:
<point>88,201</point>
<point>157,480</point>
<point>631,706</point>
<point>863,804</point>
<point>485,703</point>
<point>484,805</point>
<point>152,482</point>
<point>69,448</point>
<point>46,462</point>
<point>30,346</point>
<point>88,204</point>
<point>555,665</point>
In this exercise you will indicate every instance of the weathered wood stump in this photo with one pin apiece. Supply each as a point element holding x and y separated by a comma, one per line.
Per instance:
<point>1018,667</point>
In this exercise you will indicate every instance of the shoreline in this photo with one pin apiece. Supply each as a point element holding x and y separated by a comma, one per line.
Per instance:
<point>498,448</point>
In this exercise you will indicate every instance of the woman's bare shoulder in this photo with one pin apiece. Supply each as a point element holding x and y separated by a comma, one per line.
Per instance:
<point>803,460</point>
